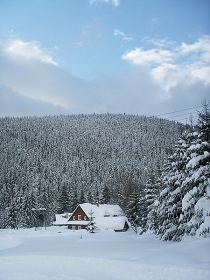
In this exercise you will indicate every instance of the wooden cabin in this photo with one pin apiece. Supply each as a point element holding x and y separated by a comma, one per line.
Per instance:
<point>104,216</point>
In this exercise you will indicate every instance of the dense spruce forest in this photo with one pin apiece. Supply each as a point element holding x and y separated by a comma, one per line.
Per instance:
<point>56,162</point>
<point>157,170</point>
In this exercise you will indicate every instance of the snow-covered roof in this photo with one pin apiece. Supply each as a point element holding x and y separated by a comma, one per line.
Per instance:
<point>106,223</point>
<point>102,210</point>
<point>61,219</point>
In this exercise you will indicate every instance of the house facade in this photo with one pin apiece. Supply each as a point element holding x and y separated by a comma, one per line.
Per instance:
<point>104,216</point>
<point>79,219</point>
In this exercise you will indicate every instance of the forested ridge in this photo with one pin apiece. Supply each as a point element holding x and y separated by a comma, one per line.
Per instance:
<point>55,162</point>
<point>157,170</point>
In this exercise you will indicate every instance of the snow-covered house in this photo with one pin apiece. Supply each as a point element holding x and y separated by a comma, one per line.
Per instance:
<point>104,216</point>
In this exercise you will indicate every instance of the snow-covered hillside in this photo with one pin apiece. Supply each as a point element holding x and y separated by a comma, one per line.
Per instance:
<point>58,253</point>
<point>58,162</point>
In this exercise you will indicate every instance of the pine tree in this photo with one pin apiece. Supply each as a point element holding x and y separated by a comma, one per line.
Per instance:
<point>105,195</point>
<point>29,203</point>
<point>180,209</point>
<point>73,200</point>
<point>196,185</point>
<point>133,210</point>
<point>169,205</point>
<point>64,201</point>
<point>13,213</point>
<point>142,211</point>
<point>152,189</point>
<point>82,197</point>
<point>204,121</point>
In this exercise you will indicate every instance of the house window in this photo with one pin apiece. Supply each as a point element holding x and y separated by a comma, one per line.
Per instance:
<point>85,218</point>
<point>73,227</point>
<point>79,227</point>
<point>74,218</point>
<point>79,217</point>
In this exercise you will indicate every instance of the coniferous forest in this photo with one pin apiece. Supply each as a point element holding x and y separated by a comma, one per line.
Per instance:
<point>156,170</point>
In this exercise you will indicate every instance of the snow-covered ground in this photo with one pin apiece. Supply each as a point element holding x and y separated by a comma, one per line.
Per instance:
<point>60,254</point>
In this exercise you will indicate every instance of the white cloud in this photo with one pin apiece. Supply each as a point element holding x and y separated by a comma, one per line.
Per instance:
<point>14,104</point>
<point>187,63</point>
<point>202,47</point>
<point>30,71</point>
<point>168,76</point>
<point>139,56</point>
<point>158,42</point>
<point>27,50</point>
<point>116,3</point>
<point>201,72</point>
<point>124,36</point>
<point>32,84</point>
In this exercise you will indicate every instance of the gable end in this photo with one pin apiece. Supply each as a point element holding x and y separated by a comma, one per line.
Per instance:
<point>79,215</point>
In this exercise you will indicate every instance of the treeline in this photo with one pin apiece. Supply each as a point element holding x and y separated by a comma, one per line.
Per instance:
<point>57,162</point>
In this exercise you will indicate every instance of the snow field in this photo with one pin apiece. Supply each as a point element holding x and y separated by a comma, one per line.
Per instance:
<point>45,268</point>
<point>60,254</point>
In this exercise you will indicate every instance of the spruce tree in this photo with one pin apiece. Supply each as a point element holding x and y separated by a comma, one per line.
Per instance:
<point>105,195</point>
<point>152,189</point>
<point>183,204</point>
<point>142,210</point>
<point>133,210</point>
<point>196,185</point>
<point>169,205</point>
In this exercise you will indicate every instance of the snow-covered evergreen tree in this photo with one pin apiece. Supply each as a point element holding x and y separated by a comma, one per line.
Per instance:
<point>142,210</point>
<point>133,210</point>
<point>64,204</point>
<point>73,203</point>
<point>152,189</point>
<point>196,185</point>
<point>105,195</point>
<point>170,199</point>
<point>183,204</point>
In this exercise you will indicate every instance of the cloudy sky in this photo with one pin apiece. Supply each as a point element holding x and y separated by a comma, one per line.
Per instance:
<point>118,56</point>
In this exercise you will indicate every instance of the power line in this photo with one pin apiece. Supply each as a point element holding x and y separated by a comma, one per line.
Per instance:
<point>190,113</point>
<point>178,111</point>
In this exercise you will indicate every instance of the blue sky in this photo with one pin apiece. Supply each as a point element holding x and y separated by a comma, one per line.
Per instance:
<point>118,56</point>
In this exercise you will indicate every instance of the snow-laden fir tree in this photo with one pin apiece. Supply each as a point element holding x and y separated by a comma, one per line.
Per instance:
<point>64,204</point>
<point>152,190</point>
<point>142,210</point>
<point>105,195</point>
<point>133,210</point>
<point>170,199</point>
<point>183,206</point>
<point>73,203</point>
<point>196,186</point>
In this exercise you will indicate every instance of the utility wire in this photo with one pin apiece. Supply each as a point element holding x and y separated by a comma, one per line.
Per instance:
<point>191,113</point>
<point>178,111</point>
